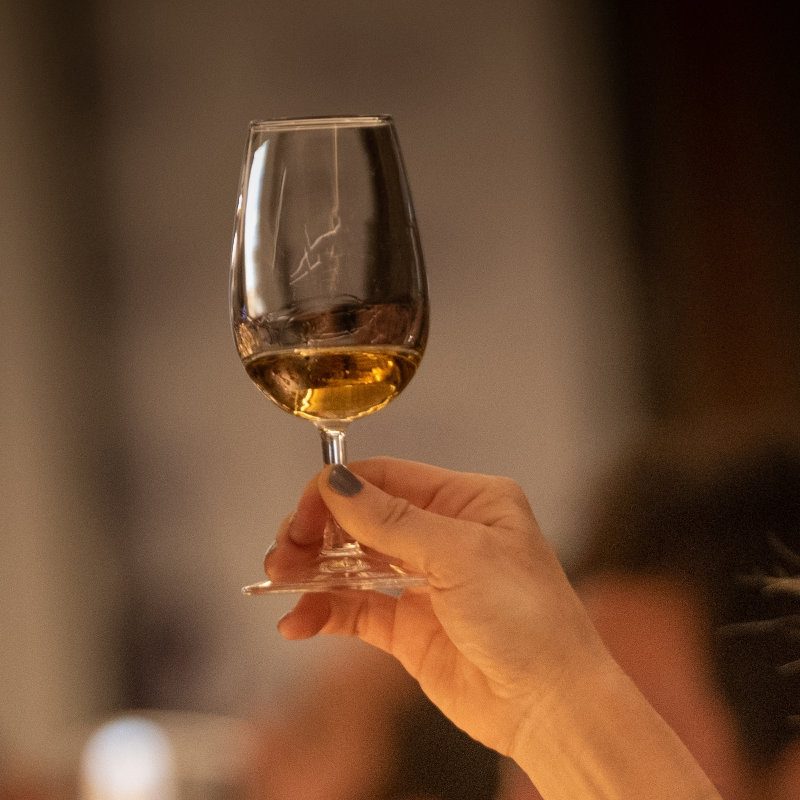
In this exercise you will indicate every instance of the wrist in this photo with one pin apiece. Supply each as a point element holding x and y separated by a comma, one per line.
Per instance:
<point>595,735</point>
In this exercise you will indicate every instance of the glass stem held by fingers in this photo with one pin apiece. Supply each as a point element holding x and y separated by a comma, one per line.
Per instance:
<point>339,551</point>
<point>329,300</point>
<point>340,563</point>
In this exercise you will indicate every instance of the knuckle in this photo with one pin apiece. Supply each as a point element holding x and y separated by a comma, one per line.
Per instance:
<point>479,544</point>
<point>395,511</point>
<point>509,493</point>
<point>509,488</point>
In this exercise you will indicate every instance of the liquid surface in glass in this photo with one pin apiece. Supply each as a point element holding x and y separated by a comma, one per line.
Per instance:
<point>334,383</point>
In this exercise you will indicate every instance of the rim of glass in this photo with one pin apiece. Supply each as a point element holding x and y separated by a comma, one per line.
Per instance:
<point>300,123</point>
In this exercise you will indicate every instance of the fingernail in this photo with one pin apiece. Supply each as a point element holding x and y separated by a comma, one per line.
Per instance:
<point>343,482</point>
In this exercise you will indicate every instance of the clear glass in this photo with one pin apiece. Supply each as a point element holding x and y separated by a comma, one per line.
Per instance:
<point>329,301</point>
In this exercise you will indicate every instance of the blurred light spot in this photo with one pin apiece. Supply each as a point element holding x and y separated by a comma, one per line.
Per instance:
<point>128,759</point>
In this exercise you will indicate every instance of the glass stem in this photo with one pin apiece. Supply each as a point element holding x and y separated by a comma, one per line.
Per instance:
<point>335,540</point>
<point>333,449</point>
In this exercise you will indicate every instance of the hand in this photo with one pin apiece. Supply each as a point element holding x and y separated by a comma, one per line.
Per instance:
<point>499,631</point>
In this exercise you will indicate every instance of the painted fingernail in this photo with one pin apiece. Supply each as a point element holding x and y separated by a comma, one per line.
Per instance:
<point>343,482</point>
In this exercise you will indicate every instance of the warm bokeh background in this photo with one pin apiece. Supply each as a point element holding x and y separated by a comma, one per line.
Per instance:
<point>608,201</point>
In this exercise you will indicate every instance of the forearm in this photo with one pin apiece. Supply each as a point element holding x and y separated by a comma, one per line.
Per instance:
<point>603,741</point>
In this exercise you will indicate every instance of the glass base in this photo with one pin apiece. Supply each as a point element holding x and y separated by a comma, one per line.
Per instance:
<point>347,568</point>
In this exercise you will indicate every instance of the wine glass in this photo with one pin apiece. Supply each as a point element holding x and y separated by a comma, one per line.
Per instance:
<point>329,300</point>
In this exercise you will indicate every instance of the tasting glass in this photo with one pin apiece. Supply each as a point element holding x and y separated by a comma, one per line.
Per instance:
<point>329,302</point>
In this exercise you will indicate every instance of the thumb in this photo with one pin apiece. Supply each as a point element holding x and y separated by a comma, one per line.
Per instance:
<point>429,543</point>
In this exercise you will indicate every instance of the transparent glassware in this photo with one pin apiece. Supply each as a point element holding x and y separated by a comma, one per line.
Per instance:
<point>329,302</point>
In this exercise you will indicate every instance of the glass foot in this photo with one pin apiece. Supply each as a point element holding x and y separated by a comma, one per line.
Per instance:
<point>345,569</point>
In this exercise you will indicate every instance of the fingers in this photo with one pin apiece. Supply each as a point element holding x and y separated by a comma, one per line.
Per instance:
<point>430,519</point>
<point>308,521</point>
<point>299,536</point>
<point>435,489</point>
<point>426,542</point>
<point>368,615</point>
<point>307,618</point>
<point>404,627</point>
<point>285,557</point>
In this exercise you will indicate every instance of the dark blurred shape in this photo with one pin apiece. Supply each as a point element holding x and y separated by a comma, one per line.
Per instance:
<point>363,730</point>
<point>727,528</point>
<point>708,94</point>
<point>436,760</point>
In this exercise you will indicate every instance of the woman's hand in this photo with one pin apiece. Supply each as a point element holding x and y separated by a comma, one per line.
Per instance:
<point>499,630</point>
<point>499,641</point>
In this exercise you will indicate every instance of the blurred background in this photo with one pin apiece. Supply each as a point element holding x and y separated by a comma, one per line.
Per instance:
<point>608,203</point>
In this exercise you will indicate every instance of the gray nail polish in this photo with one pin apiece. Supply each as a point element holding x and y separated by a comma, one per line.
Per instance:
<point>343,482</point>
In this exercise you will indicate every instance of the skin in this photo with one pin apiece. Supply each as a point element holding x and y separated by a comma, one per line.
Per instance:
<point>499,640</point>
